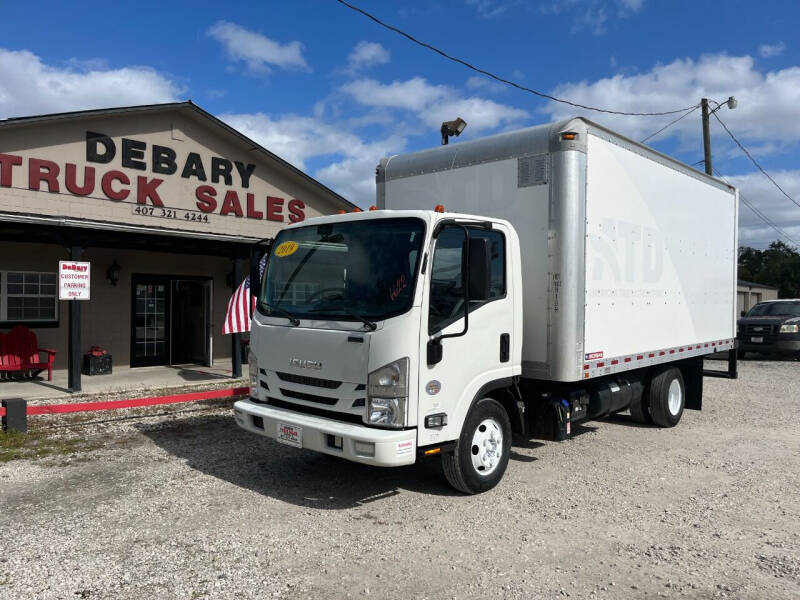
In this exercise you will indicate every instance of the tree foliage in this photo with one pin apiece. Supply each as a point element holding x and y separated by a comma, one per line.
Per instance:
<point>778,265</point>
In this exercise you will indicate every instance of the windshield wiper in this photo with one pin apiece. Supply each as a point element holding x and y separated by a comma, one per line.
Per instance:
<point>285,313</point>
<point>369,324</point>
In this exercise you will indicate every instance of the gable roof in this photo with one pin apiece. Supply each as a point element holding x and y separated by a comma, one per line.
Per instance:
<point>186,107</point>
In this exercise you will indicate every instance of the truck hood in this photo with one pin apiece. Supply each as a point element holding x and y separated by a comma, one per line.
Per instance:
<point>321,353</point>
<point>768,320</point>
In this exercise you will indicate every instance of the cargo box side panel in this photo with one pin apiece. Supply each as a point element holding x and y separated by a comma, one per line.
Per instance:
<point>660,256</point>
<point>493,190</point>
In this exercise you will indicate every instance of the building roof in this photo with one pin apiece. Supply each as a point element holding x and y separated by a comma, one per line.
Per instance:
<point>754,284</point>
<point>186,106</point>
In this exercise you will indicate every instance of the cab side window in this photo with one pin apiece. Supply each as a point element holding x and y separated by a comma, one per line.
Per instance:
<point>447,280</point>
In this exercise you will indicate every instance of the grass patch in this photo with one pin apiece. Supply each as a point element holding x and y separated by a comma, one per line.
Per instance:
<point>40,444</point>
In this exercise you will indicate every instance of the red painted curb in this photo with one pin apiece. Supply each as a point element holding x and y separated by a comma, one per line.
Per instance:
<point>52,409</point>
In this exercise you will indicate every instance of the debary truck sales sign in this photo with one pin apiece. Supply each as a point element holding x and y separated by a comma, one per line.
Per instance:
<point>156,171</point>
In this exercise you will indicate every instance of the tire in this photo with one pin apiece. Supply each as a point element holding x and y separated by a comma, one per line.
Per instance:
<point>667,397</point>
<point>639,410</point>
<point>486,428</point>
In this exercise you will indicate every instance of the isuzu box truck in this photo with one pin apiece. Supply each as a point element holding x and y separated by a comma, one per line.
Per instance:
<point>515,284</point>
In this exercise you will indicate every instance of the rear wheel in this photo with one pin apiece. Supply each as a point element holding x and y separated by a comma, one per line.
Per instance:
<point>480,457</point>
<point>667,397</point>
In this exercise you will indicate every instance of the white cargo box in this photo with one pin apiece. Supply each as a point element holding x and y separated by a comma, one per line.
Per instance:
<point>628,256</point>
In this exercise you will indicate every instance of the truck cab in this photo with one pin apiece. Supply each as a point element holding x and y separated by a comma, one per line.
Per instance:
<point>380,336</point>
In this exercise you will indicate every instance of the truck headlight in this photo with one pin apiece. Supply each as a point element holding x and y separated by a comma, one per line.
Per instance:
<point>387,395</point>
<point>790,328</point>
<point>252,363</point>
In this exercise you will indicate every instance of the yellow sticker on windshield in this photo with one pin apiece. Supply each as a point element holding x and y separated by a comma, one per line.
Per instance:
<point>285,249</point>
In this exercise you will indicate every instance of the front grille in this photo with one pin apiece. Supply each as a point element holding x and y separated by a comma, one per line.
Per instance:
<point>309,397</point>
<point>313,410</point>
<point>757,328</point>
<point>312,381</point>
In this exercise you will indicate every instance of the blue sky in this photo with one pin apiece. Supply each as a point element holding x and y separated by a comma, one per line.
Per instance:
<point>332,92</point>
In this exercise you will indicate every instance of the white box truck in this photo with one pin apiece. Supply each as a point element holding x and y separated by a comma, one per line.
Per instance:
<point>515,284</point>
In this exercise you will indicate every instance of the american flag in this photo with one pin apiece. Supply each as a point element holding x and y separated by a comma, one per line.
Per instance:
<point>237,319</point>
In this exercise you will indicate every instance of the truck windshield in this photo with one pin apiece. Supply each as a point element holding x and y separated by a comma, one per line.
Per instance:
<point>348,271</point>
<point>774,309</point>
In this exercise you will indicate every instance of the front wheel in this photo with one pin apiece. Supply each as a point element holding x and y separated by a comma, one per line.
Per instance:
<point>481,454</point>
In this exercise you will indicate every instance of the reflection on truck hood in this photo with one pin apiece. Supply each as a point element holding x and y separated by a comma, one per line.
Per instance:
<point>327,354</point>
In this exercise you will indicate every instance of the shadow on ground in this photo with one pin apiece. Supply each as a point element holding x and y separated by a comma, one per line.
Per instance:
<point>215,445</point>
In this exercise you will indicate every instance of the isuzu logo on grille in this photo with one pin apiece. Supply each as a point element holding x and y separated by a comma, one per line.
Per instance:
<point>302,363</point>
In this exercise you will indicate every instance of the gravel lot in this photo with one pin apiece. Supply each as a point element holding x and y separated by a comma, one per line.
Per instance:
<point>185,505</point>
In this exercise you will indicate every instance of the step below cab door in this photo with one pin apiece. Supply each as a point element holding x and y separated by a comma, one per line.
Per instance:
<point>460,353</point>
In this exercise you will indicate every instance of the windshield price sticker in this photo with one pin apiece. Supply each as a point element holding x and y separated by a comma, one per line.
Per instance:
<point>285,249</point>
<point>191,216</point>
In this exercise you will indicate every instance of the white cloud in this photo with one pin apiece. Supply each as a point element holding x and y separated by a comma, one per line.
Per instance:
<point>30,87</point>
<point>432,103</point>
<point>489,9</point>
<point>761,193</point>
<point>292,137</point>
<point>367,54</point>
<point>412,94</point>
<point>488,85</point>
<point>300,139</point>
<point>257,51</point>
<point>767,100</point>
<point>592,15</point>
<point>770,50</point>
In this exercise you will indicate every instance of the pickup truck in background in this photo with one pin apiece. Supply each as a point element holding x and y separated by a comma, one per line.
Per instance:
<point>771,327</point>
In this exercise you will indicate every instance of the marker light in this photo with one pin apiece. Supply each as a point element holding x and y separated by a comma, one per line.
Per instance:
<point>569,135</point>
<point>356,209</point>
<point>340,211</point>
<point>439,208</point>
<point>373,207</point>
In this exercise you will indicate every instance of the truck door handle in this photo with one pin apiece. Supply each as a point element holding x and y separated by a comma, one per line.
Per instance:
<point>505,347</point>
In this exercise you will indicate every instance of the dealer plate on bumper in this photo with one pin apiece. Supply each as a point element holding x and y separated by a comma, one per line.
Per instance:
<point>290,435</point>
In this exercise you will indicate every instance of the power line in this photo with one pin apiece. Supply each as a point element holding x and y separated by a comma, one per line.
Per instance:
<point>758,213</point>
<point>754,161</point>
<point>671,123</point>
<point>501,79</point>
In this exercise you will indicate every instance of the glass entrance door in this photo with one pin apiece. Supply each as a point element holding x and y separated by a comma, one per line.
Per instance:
<point>150,335</point>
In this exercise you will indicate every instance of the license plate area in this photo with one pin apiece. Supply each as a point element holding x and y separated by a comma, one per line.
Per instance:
<point>757,340</point>
<point>291,435</point>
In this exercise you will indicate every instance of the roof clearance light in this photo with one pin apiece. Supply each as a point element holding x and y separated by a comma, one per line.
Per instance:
<point>439,208</point>
<point>341,211</point>
<point>373,207</point>
<point>356,209</point>
<point>569,135</point>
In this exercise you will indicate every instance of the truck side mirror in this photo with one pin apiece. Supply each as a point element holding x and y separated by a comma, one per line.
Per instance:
<point>479,268</point>
<point>434,351</point>
<point>257,252</point>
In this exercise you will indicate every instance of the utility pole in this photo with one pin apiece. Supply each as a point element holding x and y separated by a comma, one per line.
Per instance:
<point>731,104</point>
<point>706,137</point>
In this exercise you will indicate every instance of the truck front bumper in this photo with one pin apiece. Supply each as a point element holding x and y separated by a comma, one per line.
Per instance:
<point>782,343</point>
<point>380,447</point>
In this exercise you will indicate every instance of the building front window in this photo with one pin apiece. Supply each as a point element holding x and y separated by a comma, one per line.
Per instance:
<point>28,297</point>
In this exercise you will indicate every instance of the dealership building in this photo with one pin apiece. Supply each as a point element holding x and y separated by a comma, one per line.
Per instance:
<point>164,202</point>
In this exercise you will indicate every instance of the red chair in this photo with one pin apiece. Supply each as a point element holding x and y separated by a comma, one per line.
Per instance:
<point>20,352</point>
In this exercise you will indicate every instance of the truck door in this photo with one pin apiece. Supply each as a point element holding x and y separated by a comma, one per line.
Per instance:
<point>481,354</point>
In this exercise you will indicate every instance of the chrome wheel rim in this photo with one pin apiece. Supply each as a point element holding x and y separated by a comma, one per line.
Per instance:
<point>674,397</point>
<point>487,447</point>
